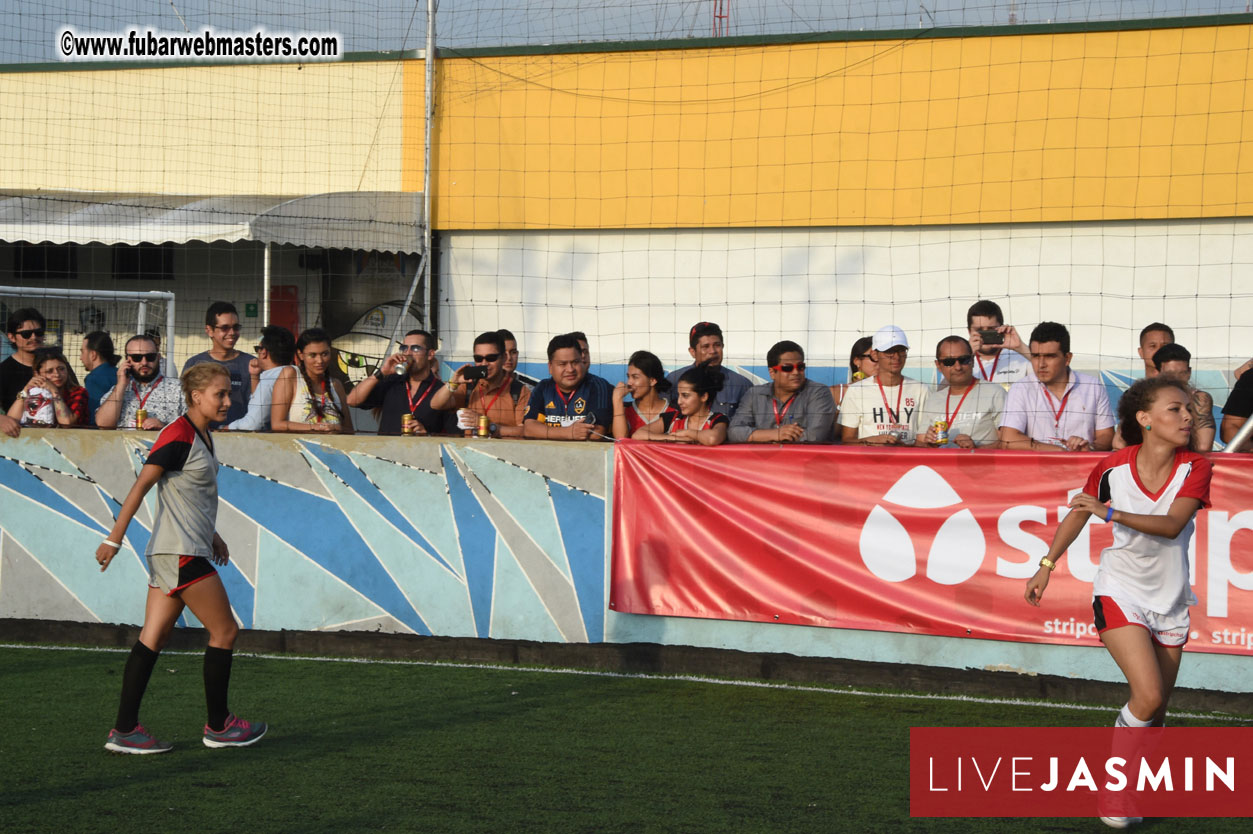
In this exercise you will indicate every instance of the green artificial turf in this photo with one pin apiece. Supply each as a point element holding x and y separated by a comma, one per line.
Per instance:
<point>361,747</point>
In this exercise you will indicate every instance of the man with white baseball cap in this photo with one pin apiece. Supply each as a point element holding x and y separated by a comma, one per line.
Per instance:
<point>880,410</point>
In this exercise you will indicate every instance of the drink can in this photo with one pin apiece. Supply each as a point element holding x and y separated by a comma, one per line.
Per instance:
<point>406,424</point>
<point>140,416</point>
<point>941,431</point>
<point>483,424</point>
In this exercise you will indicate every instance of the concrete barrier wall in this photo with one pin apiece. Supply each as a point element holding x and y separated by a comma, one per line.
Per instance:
<point>448,537</point>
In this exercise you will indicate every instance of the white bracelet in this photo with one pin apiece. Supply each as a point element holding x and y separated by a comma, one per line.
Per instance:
<point>118,545</point>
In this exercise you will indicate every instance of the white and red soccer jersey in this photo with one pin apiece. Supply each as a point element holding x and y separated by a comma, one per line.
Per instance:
<point>1150,571</point>
<point>187,494</point>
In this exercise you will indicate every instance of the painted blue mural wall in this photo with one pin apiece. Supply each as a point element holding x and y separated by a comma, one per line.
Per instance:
<point>450,537</point>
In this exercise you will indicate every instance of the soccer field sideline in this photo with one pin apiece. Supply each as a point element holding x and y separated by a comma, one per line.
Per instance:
<point>919,696</point>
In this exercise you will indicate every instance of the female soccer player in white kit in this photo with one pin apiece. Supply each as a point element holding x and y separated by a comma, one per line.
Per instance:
<point>1151,490</point>
<point>183,467</point>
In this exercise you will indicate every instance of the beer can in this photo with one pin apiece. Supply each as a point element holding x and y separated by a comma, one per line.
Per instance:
<point>406,424</point>
<point>483,424</point>
<point>941,431</point>
<point>140,416</point>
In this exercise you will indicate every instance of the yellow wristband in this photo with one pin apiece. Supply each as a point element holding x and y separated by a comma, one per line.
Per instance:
<point>1046,562</point>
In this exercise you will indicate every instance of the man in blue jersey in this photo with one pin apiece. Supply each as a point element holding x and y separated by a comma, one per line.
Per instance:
<point>571,404</point>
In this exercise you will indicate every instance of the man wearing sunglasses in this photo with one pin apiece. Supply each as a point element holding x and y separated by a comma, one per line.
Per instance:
<point>141,385</point>
<point>970,409</point>
<point>497,394</point>
<point>706,345</point>
<point>882,410</point>
<point>221,325</point>
<point>25,331</point>
<point>787,409</point>
<point>410,392</point>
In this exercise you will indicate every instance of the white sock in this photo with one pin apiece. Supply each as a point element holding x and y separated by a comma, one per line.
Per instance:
<point>1126,718</point>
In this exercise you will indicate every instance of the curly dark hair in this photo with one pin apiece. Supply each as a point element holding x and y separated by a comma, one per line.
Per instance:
<point>1139,397</point>
<point>705,379</point>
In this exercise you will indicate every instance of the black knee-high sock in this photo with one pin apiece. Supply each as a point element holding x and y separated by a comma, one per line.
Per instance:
<point>217,680</point>
<point>134,681</point>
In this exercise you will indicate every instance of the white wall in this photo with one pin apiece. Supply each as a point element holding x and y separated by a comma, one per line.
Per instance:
<point>826,287</point>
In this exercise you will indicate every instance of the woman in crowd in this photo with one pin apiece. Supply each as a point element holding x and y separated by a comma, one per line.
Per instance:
<point>695,421</point>
<point>53,396</point>
<point>647,384</point>
<point>101,362</point>
<point>1151,490</point>
<point>312,401</point>
<point>183,466</point>
<point>861,365</point>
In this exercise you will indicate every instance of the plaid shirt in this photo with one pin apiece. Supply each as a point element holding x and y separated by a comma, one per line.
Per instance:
<point>163,399</point>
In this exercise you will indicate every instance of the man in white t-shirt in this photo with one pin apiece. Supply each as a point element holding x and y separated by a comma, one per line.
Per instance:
<point>1000,355</point>
<point>882,409</point>
<point>970,408</point>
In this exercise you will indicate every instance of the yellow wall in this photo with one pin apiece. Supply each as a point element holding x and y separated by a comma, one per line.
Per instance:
<point>261,129</point>
<point>1085,126</point>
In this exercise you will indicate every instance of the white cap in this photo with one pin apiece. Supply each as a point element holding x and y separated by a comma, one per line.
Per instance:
<point>888,337</point>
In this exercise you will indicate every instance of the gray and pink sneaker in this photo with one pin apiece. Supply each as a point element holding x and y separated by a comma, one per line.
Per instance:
<point>236,733</point>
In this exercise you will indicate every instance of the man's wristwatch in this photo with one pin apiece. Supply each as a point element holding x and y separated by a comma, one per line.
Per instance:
<point>378,374</point>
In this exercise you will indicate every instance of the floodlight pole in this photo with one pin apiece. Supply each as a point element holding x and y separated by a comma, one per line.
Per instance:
<point>429,61</point>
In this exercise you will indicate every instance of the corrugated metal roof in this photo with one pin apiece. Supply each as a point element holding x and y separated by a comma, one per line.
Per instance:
<point>384,221</point>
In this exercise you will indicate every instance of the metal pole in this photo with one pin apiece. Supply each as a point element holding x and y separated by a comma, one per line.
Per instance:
<point>400,319</point>
<point>429,59</point>
<point>265,288</point>
<point>1241,436</point>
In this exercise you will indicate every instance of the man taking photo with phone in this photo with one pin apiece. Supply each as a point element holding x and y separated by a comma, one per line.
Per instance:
<point>1000,355</point>
<point>142,390</point>
<point>485,388</point>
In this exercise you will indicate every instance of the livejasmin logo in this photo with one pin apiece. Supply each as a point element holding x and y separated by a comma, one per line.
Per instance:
<point>1079,771</point>
<point>960,545</point>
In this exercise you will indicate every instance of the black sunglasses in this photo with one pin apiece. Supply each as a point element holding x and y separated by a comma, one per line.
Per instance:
<point>26,334</point>
<point>227,328</point>
<point>789,367</point>
<point>968,359</point>
<point>142,357</point>
<point>411,348</point>
<point>491,357</point>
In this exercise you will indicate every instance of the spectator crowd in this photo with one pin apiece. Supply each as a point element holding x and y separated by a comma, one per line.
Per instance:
<point>996,390</point>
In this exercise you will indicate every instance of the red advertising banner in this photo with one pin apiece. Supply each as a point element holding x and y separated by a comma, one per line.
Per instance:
<point>920,541</point>
<point>1080,772</point>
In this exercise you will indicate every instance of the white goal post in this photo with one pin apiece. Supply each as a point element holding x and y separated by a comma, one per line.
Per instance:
<point>120,295</point>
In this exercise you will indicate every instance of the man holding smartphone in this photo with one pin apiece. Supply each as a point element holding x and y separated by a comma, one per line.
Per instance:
<point>141,386</point>
<point>1000,355</point>
<point>405,384</point>
<point>486,388</point>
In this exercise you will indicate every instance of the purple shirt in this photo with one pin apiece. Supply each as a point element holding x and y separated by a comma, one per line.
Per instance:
<point>1033,410</point>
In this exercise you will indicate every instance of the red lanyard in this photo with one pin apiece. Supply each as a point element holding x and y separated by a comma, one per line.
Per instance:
<point>779,415</point>
<point>994,364</point>
<point>564,398</point>
<point>1057,418</point>
<point>895,415</point>
<point>144,399</point>
<point>948,418</point>
<point>412,405</point>
<point>487,409</point>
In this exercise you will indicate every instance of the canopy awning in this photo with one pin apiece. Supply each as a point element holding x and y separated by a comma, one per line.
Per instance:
<point>384,221</point>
